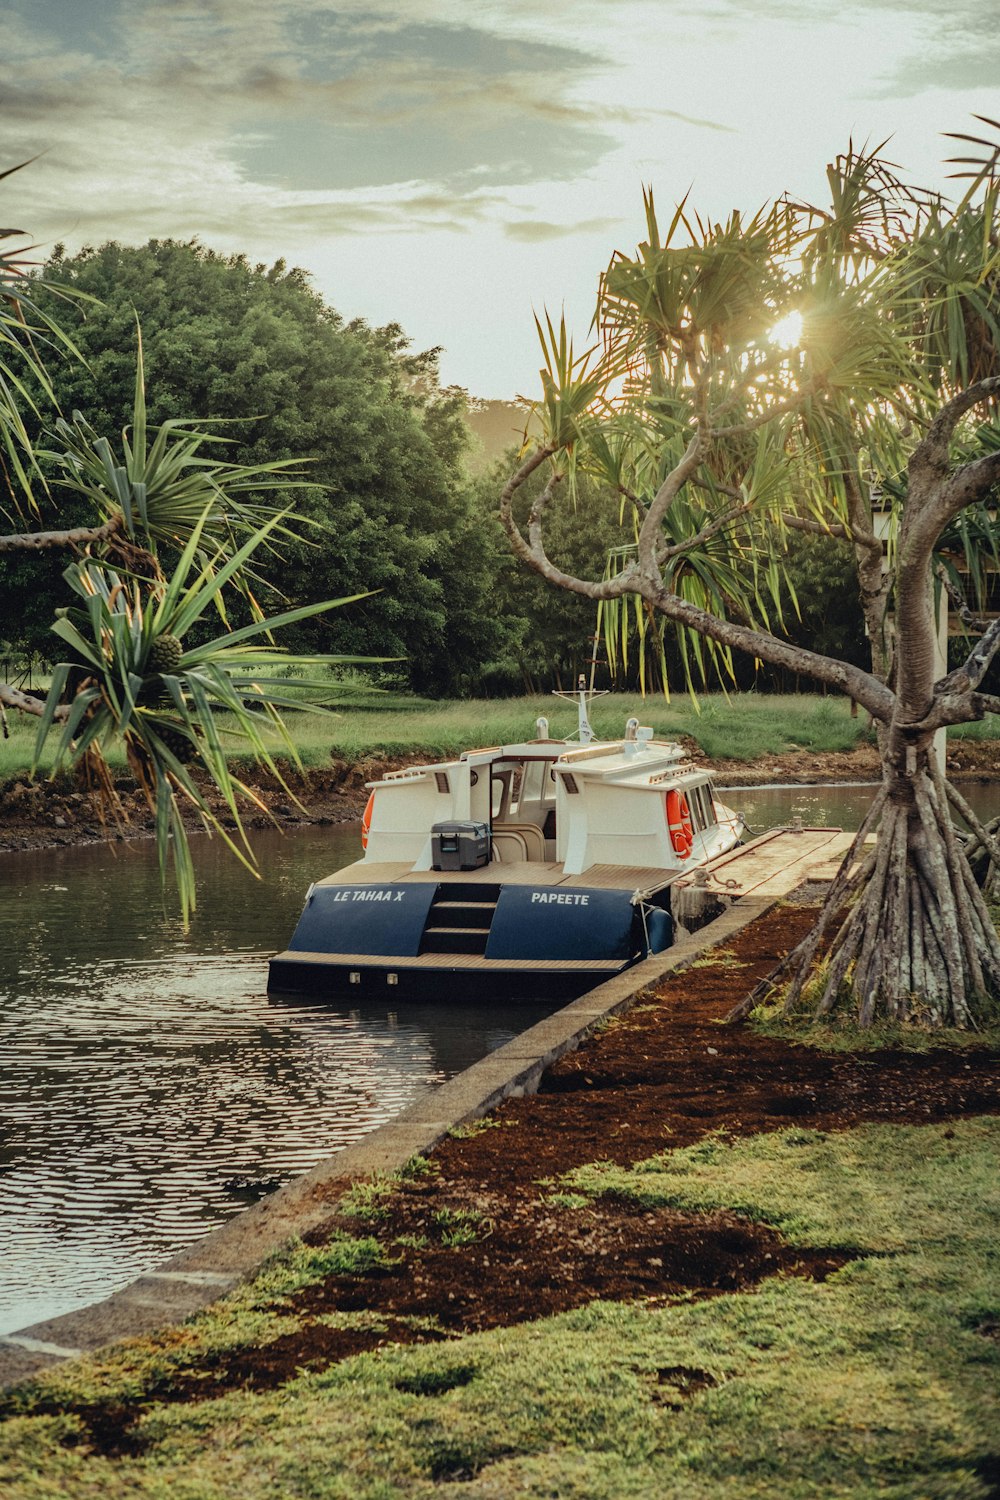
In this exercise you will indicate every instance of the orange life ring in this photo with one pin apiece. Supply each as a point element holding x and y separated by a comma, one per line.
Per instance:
<point>366,820</point>
<point>679,824</point>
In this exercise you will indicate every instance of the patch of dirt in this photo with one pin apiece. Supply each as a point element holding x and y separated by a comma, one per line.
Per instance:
<point>537,1259</point>
<point>46,814</point>
<point>487,1244</point>
<point>313,1348</point>
<point>968,760</point>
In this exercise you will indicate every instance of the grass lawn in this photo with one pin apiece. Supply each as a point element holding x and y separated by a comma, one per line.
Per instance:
<point>881,1381</point>
<point>363,723</point>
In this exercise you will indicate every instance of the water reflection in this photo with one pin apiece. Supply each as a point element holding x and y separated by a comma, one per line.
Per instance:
<point>150,1088</point>
<point>841,806</point>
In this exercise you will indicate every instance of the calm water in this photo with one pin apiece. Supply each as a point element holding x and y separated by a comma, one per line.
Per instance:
<point>822,806</point>
<point>148,1087</point>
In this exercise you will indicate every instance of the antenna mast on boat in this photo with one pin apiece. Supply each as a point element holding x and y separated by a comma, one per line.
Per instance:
<point>582,698</point>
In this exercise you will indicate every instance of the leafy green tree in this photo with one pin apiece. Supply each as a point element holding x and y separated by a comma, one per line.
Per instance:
<point>390,506</point>
<point>786,373</point>
<point>131,672</point>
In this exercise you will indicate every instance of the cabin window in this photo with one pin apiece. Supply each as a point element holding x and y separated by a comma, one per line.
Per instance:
<point>702,807</point>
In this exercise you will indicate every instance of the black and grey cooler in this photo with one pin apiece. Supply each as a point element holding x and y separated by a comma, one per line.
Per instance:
<point>460,846</point>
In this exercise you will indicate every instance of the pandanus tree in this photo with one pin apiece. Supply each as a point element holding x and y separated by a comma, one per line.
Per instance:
<point>833,371</point>
<point>169,546</point>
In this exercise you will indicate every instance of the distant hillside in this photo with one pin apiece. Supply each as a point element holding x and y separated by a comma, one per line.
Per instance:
<point>497,426</point>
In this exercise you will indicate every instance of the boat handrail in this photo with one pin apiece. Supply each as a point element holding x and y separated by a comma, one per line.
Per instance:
<point>591,752</point>
<point>413,773</point>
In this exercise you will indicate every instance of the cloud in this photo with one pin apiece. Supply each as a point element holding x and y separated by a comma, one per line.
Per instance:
<point>933,46</point>
<point>534,231</point>
<point>254,99</point>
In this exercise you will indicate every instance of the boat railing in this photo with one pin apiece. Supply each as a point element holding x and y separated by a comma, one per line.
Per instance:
<point>412,773</point>
<point>591,752</point>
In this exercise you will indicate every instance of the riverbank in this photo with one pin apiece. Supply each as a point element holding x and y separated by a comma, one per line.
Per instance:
<point>700,1261</point>
<point>42,814</point>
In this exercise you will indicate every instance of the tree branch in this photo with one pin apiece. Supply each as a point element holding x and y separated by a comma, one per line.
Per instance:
<point>977,664</point>
<point>972,482</point>
<point>649,534</point>
<point>862,686</point>
<point>817,528</point>
<point>40,541</point>
<point>533,551</point>
<point>639,506</point>
<point>940,431</point>
<point>959,603</point>
<point>955,698</point>
<point>936,496</point>
<point>705,534</point>
<point>12,697</point>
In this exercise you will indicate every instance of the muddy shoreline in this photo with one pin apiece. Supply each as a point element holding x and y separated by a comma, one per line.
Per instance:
<point>49,814</point>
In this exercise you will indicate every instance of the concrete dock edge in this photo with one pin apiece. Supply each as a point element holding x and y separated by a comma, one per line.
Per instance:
<point>207,1269</point>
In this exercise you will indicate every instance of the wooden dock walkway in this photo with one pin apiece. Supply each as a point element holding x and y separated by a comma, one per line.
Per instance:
<point>772,865</point>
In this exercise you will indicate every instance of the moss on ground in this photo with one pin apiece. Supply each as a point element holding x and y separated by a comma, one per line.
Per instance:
<point>880,1383</point>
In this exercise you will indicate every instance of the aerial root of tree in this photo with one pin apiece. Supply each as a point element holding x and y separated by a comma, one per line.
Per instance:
<point>918,943</point>
<point>983,847</point>
<point>799,960</point>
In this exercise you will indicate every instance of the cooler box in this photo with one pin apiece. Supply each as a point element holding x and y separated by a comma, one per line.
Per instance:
<point>460,846</point>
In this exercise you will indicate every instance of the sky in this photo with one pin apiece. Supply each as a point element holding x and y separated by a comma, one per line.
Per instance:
<point>457,165</point>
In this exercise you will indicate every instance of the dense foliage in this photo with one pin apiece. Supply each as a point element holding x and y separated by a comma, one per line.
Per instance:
<point>394,503</point>
<point>390,506</point>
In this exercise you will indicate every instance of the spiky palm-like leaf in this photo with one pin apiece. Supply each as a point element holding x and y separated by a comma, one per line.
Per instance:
<point>573,386</point>
<point>168,720</point>
<point>164,486</point>
<point>27,336</point>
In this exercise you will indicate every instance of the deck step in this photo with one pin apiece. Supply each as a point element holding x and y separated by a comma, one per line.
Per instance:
<point>464,891</point>
<point>477,914</point>
<point>454,939</point>
<point>292,958</point>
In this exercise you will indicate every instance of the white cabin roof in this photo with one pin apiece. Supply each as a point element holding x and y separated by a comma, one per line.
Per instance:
<point>642,762</point>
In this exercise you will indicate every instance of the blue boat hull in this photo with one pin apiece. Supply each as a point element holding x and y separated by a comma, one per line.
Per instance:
<point>428,939</point>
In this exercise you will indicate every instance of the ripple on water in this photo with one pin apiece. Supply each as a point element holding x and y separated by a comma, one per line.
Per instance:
<point>149,1087</point>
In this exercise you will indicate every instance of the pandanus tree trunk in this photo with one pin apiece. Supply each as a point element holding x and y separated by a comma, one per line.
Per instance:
<point>907,931</point>
<point>918,941</point>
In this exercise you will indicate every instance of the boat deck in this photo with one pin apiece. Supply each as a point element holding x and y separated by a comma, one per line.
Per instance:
<point>521,872</point>
<point>770,866</point>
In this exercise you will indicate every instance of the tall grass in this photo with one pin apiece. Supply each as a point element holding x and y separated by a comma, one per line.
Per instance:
<point>364,723</point>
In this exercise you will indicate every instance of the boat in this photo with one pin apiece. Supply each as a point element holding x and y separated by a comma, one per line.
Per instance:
<point>540,868</point>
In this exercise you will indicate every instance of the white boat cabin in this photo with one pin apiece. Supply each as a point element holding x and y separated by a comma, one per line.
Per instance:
<point>633,802</point>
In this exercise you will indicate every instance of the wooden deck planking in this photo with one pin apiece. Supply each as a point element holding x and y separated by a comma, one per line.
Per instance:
<point>521,872</point>
<point>775,863</point>
<point>772,865</point>
<point>463,961</point>
<point>621,878</point>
